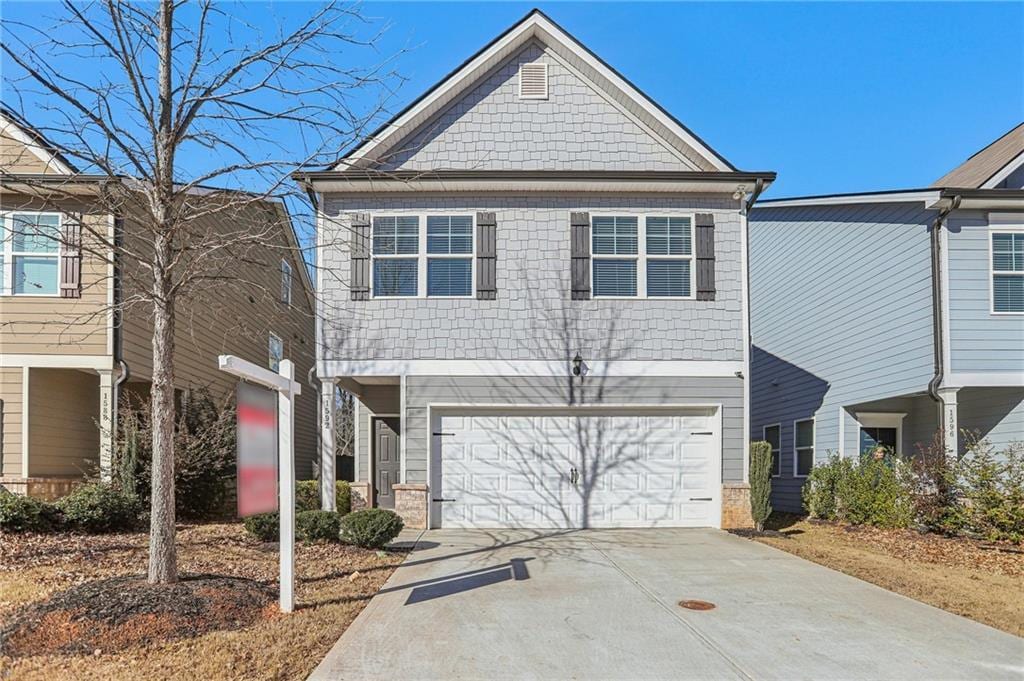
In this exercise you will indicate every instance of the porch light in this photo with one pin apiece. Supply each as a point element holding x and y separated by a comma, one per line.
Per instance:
<point>577,365</point>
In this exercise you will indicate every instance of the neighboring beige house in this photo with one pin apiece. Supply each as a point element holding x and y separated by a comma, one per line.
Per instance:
<point>68,348</point>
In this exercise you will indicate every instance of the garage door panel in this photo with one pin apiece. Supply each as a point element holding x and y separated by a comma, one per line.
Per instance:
<point>513,470</point>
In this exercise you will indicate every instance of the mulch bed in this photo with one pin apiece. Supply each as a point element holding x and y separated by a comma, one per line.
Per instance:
<point>115,613</point>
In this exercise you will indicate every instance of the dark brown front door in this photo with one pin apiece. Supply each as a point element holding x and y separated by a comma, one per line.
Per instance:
<point>385,460</point>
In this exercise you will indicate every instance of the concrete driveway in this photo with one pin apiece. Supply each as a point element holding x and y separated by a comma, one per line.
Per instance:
<point>602,604</point>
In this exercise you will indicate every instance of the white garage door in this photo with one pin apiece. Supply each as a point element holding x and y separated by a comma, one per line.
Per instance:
<point>596,469</point>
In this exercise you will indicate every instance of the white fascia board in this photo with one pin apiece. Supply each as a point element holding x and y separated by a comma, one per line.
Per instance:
<point>94,362</point>
<point>341,187</point>
<point>455,367</point>
<point>1004,172</point>
<point>927,196</point>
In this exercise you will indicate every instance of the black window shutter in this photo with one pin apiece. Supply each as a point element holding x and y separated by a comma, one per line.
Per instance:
<point>359,279</point>
<point>580,240</point>
<point>71,257</point>
<point>705,252</point>
<point>486,256</point>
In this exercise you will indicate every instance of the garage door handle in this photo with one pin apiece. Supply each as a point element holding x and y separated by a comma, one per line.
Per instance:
<point>702,432</point>
<point>444,434</point>
<point>441,500</point>
<point>700,498</point>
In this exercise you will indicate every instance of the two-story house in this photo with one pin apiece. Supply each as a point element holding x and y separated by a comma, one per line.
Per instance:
<point>888,317</point>
<point>533,279</point>
<point>71,341</point>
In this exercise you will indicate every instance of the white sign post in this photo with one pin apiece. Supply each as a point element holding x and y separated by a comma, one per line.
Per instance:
<point>287,388</point>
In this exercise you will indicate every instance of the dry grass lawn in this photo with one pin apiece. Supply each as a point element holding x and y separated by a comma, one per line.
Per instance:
<point>982,581</point>
<point>334,583</point>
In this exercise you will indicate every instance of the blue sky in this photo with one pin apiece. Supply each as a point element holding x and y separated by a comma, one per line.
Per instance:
<point>834,97</point>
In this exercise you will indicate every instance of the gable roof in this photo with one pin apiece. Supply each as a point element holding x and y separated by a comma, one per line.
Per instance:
<point>535,25</point>
<point>14,126</point>
<point>990,166</point>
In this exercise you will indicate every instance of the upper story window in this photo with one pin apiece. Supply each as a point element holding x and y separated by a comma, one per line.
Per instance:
<point>275,351</point>
<point>428,255</point>
<point>773,436</point>
<point>30,254</point>
<point>803,447</point>
<point>286,282</point>
<point>649,257</point>
<point>1008,272</point>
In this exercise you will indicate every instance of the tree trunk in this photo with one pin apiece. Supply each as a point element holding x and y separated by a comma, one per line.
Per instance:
<point>163,559</point>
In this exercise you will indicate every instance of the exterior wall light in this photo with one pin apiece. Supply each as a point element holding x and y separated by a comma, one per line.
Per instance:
<point>577,365</point>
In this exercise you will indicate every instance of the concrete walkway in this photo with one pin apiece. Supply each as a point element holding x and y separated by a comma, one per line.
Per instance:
<point>602,604</point>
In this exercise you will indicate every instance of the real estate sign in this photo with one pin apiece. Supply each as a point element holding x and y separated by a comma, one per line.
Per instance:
<point>257,449</point>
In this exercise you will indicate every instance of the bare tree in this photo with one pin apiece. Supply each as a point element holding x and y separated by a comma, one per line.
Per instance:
<point>129,89</point>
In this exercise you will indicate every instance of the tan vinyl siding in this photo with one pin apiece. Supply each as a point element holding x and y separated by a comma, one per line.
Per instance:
<point>235,316</point>
<point>39,325</point>
<point>63,412</point>
<point>11,397</point>
<point>15,157</point>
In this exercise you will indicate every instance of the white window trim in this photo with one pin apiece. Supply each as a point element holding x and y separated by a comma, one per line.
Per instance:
<point>286,267</point>
<point>641,257</point>
<point>7,250</point>
<point>992,272</point>
<point>271,336</point>
<point>764,429</point>
<point>882,419</point>
<point>421,256</point>
<point>813,447</point>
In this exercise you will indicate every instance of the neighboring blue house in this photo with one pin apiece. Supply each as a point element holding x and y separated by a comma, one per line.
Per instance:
<point>889,317</point>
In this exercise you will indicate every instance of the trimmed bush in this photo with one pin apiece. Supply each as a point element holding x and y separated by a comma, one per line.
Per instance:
<point>263,526</point>
<point>343,497</point>
<point>307,495</point>
<point>315,526</point>
<point>760,483</point>
<point>25,514</point>
<point>820,491</point>
<point>874,494</point>
<point>991,488</point>
<point>370,528</point>
<point>99,507</point>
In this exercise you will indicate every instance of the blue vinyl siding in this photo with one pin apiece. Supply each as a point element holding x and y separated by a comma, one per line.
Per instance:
<point>840,315</point>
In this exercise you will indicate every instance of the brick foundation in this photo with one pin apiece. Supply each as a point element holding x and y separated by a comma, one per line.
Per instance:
<point>736,506</point>
<point>360,492</point>
<point>45,489</point>
<point>411,504</point>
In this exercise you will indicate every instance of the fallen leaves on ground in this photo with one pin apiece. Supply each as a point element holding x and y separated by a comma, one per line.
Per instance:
<point>35,567</point>
<point>979,580</point>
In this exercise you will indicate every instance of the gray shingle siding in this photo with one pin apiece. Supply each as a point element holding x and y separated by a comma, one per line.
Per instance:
<point>840,314</point>
<point>533,316</point>
<point>491,128</point>
<point>979,340</point>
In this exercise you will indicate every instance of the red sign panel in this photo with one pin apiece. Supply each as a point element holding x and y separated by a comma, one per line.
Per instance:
<point>257,450</point>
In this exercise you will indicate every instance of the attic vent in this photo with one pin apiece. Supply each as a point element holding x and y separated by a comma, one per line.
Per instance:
<point>533,81</point>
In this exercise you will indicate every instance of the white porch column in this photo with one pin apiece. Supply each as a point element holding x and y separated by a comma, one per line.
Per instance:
<point>108,420</point>
<point>949,422</point>
<point>328,474</point>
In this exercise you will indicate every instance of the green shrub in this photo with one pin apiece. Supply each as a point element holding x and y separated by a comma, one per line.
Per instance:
<point>307,495</point>
<point>875,493</point>
<point>760,483</point>
<point>991,488</point>
<point>370,528</point>
<point>204,453</point>
<point>24,514</point>
<point>314,526</point>
<point>263,526</point>
<point>343,497</point>
<point>820,489</point>
<point>99,507</point>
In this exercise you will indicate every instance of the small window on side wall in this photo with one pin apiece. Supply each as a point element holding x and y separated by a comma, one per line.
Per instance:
<point>275,350</point>
<point>773,436</point>
<point>286,283</point>
<point>803,447</point>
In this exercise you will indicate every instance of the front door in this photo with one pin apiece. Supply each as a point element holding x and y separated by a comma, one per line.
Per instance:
<point>385,460</point>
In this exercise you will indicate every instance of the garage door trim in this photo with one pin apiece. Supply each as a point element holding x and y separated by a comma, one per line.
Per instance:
<point>436,409</point>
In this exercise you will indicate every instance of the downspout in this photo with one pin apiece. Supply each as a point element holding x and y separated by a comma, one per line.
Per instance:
<point>937,316</point>
<point>747,373</point>
<point>315,385</point>
<point>123,376</point>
